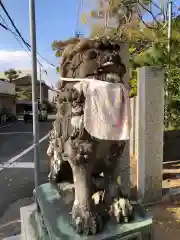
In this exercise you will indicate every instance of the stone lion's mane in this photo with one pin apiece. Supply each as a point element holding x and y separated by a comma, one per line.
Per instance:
<point>68,49</point>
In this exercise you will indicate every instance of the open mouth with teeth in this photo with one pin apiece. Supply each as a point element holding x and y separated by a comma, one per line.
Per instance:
<point>112,71</point>
<point>102,64</point>
<point>108,64</point>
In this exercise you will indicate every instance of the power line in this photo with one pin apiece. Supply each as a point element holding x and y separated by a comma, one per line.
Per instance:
<point>19,34</point>
<point>77,33</point>
<point>6,27</point>
<point>12,22</point>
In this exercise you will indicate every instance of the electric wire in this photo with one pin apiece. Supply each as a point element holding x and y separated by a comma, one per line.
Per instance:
<point>19,34</point>
<point>6,27</point>
<point>77,33</point>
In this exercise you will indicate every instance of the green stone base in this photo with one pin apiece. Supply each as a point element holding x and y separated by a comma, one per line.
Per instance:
<point>56,217</point>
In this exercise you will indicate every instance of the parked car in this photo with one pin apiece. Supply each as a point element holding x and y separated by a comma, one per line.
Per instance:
<point>11,117</point>
<point>42,114</point>
<point>28,113</point>
<point>7,116</point>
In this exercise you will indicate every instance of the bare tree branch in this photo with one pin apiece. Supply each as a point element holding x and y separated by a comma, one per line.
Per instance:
<point>148,26</point>
<point>150,12</point>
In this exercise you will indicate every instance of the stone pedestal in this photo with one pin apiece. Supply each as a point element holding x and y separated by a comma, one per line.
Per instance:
<point>13,238</point>
<point>53,222</point>
<point>149,139</point>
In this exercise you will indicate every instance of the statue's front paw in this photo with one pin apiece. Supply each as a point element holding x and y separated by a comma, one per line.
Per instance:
<point>122,210</point>
<point>85,222</point>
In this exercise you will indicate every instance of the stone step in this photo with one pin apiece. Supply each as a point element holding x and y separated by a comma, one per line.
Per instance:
<point>30,224</point>
<point>17,237</point>
<point>27,232</point>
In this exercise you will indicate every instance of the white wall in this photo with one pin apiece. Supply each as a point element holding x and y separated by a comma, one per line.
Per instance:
<point>7,88</point>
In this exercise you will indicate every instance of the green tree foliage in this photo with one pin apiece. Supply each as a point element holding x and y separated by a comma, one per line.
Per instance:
<point>11,74</point>
<point>23,94</point>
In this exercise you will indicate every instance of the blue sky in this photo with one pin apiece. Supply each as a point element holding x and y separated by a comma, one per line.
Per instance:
<point>55,20</point>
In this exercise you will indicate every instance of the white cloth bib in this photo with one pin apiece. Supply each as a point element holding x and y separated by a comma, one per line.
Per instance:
<point>106,110</point>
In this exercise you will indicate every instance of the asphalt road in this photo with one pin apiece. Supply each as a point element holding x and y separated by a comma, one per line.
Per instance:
<point>17,137</point>
<point>16,163</point>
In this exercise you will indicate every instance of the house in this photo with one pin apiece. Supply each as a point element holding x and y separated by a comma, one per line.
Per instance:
<point>24,83</point>
<point>7,97</point>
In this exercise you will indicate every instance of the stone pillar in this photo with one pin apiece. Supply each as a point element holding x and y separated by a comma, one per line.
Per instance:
<point>149,139</point>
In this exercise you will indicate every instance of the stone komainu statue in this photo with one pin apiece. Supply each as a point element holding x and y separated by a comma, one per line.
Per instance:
<point>77,155</point>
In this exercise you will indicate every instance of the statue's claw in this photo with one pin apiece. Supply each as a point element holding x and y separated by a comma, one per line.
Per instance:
<point>50,176</point>
<point>122,210</point>
<point>54,172</point>
<point>85,222</point>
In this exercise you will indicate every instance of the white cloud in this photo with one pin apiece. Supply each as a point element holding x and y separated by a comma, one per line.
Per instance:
<point>13,55</point>
<point>22,60</point>
<point>14,59</point>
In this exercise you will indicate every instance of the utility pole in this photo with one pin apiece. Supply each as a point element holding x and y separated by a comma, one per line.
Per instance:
<point>40,85</point>
<point>34,100</point>
<point>78,34</point>
<point>167,95</point>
